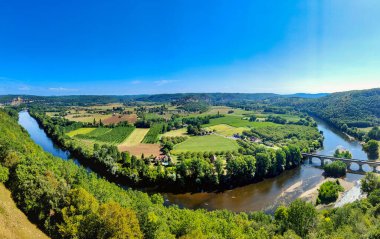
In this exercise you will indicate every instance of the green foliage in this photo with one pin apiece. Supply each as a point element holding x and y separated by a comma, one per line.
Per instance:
<point>328,192</point>
<point>374,133</point>
<point>357,109</point>
<point>152,136</point>
<point>302,217</point>
<point>372,149</point>
<point>370,182</point>
<point>242,168</point>
<point>4,174</point>
<point>43,185</point>
<point>339,153</point>
<point>306,137</point>
<point>335,169</point>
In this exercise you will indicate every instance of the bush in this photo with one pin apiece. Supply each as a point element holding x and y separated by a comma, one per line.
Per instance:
<point>329,192</point>
<point>335,169</point>
<point>4,174</point>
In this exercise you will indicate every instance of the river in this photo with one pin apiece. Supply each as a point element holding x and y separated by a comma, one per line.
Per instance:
<point>264,195</point>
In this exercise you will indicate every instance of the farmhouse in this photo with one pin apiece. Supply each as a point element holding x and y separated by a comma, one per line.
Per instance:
<point>163,160</point>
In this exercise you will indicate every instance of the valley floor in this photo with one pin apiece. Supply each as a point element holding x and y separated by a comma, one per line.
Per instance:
<point>13,222</point>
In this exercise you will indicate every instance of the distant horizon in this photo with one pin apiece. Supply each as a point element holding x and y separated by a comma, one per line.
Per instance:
<point>297,93</point>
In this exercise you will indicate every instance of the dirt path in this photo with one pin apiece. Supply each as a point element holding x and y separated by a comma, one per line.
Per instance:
<point>13,223</point>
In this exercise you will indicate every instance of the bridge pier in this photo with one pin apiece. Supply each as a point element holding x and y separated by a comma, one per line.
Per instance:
<point>310,159</point>
<point>360,167</point>
<point>374,168</point>
<point>348,165</point>
<point>322,162</point>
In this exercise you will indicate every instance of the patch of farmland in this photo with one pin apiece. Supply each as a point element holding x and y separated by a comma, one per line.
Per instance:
<point>177,132</point>
<point>226,130</point>
<point>206,143</point>
<point>80,131</point>
<point>236,121</point>
<point>135,138</point>
<point>152,136</point>
<point>86,117</point>
<point>137,150</point>
<point>108,135</point>
<point>131,118</point>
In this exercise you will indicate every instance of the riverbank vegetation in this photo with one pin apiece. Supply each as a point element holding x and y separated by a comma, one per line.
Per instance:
<point>335,169</point>
<point>328,192</point>
<point>372,149</point>
<point>342,153</point>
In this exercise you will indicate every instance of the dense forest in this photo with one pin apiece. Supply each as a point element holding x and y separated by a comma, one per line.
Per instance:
<point>68,202</point>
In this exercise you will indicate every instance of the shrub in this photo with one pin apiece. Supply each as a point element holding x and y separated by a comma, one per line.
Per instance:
<point>4,174</point>
<point>329,192</point>
<point>335,169</point>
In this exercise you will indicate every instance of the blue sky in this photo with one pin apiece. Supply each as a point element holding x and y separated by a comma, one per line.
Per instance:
<point>147,47</point>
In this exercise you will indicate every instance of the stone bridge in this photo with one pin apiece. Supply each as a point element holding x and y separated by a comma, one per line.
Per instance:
<point>348,162</point>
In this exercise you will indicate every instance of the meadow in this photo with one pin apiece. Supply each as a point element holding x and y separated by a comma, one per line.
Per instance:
<point>206,143</point>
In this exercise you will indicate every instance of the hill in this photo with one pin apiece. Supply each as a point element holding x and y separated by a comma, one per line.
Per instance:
<point>13,223</point>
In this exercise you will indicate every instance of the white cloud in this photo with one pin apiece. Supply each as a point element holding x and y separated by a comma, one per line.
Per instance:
<point>164,82</point>
<point>136,82</point>
<point>62,89</point>
<point>24,88</point>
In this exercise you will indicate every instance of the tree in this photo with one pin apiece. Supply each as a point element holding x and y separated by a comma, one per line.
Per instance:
<point>79,205</point>
<point>341,153</point>
<point>262,164</point>
<point>335,169</point>
<point>302,217</point>
<point>4,174</point>
<point>118,222</point>
<point>370,182</point>
<point>242,168</point>
<point>372,149</point>
<point>374,133</point>
<point>328,192</point>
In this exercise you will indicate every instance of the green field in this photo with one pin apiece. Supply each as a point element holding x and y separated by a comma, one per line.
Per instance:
<point>152,136</point>
<point>108,135</point>
<point>80,131</point>
<point>135,138</point>
<point>227,130</point>
<point>206,143</point>
<point>236,121</point>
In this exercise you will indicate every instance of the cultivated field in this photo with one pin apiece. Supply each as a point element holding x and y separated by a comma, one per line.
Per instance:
<point>131,118</point>
<point>135,138</point>
<point>227,130</point>
<point>80,131</point>
<point>137,150</point>
<point>206,144</point>
<point>108,135</point>
<point>152,136</point>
